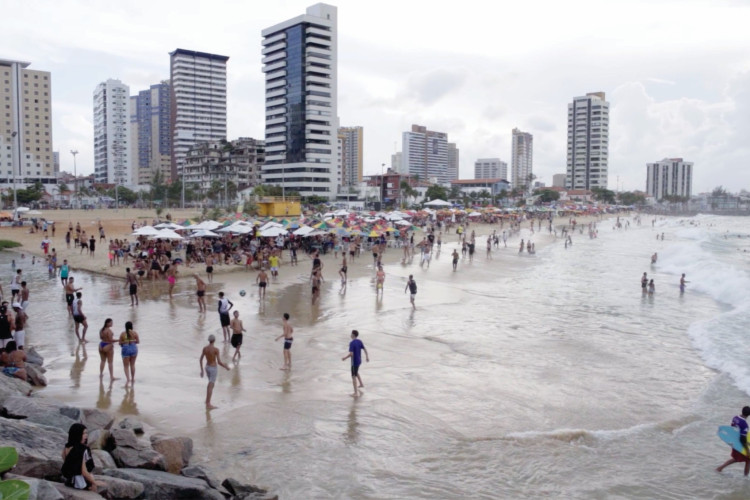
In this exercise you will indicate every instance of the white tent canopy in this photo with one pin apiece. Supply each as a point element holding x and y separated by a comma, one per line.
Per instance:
<point>437,203</point>
<point>204,233</point>
<point>169,225</point>
<point>270,224</point>
<point>474,214</point>
<point>206,224</point>
<point>167,234</point>
<point>273,231</point>
<point>303,231</point>
<point>146,231</point>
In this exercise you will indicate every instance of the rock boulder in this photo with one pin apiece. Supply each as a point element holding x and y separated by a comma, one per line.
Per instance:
<point>102,460</point>
<point>39,489</point>
<point>34,358</point>
<point>11,386</point>
<point>95,419</point>
<point>41,411</point>
<point>35,375</point>
<point>74,494</point>
<point>165,485</point>
<point>176,450</point>
<point>39,447</point>
<point>132,424</point>
<point>120,489</point>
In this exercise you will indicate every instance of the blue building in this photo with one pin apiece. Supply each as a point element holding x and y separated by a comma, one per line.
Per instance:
<point>150,122</point>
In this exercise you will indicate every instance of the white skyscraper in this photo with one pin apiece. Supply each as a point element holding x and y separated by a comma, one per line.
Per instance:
<point>669,177</point>
<point>522,160</point>
<point>300,64</point>
<point>425,153</point>
<point>352,152</point>
<point>112,133</point>
<point>588,142</point>
<point>199,102</point>
<point>490,168</point>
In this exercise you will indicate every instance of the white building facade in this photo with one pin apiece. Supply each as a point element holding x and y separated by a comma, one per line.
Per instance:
<point>669,177</point>
<point>588,142</point>
<point>352,155</point>
<point>300,66</point>
<point>522,158</point>
<point>425,154</point>
<point>112,148</point>
<point>198,102</point>
<point>490,168</point>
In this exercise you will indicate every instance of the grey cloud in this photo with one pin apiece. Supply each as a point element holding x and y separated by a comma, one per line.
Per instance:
<point>431,87</point>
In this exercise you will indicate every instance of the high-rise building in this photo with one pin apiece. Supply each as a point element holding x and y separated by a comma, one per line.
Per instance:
<point>300,64</point>
<point>150,133</point>
<point>452,170</point>
<point>198,101</point>
<point>396,163</point>
<point>425,154</point>
<point>588,142</point>
<point>522,158</point>
<point>56,161</point>
<point>26,130</point>
<point>669,177</point>
<point>490,168</point>
<point>235,164</point>
<point>352,147</point>
<point>558,180</point>
<point>112,133</point>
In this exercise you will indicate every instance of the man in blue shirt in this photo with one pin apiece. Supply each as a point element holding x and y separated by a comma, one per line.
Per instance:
<point>739,422</point>
<point>355,352</point>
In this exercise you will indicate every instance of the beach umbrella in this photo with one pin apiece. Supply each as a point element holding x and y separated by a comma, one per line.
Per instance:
<point>315,232</point>
<point>340,231</point>
<point>273,232</point>
<point>474,214</point>
<point>373,234</point>
<point>204,233</point>
<point>166,234</point>
<point>403,223</point>
<point>303,231</point>
<point>269,225</point>
<point>169,225</point>
<point>322,225</point>
<point>146,231</point>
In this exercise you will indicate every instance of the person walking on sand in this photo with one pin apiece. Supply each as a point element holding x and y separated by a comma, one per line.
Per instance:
<point>129,341</point>
<point>343,270</point>
<point>172,278</point>
<point>131,281</point>
<point>262,281</point>
<point>237,330</point>
<point>107,349</point>
<point>64,272</point>
<point>286,333</point>
<point>70,291</point>
<point>455,259</point>
<point>316,279</point>
<point>355,353</point>
<point>411,285</point>
<point>380,281</point>
<point>739,423</point>
<point>213,358</point>
<point>224,307</point>
<point>200,287</point>
<point>79,318</point>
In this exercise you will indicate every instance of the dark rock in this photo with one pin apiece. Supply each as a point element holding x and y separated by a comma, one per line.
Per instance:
<point>120,489</point>
<point>127,438</point>
<point>95,419</point>
<point>41,411</point>
<point>176,450</point>
<point>35,375</point>
<point>256,496</point>
<point>165,485</point>
<point>33,357</point>
<point>132,424</point>
<point>138,458</point>
<point>11,386</point>
<point>99,439</point>
<point>199,472</point>
<point>236,488</point>
<point>39,447</point>
<point>74,494</point>
<point>39,489</point>
<point>102,460</point>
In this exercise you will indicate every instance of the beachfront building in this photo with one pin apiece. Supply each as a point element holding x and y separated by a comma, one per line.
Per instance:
<point>558,180</point>
<point>490,168</point>
<point>588,142</point>
<point>425,154</point>
<point>112,147</point>
<point>212,166</point>
<point>396,163</point>
<point>150,139</point>
<point>452,170</point>
<point>669,177</point>
<point>199,102</point>
<point>300,66</point>
<point>351,155</point>
<point>522,158</point>
<point>26,130</point>
<point>493,186</point>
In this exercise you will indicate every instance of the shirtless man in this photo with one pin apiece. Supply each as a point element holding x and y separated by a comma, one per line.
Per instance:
<point>213,358</point>
<point>379,280</point>
<point>210,268</point>
<point>79,318</point>
<point>286,333</point>
<point>131,281</point>
<point>70,292</point>
<point>262,281</point>
<point>200,286</point>
<point>237,329</point>
<point>455,258</point>
<point>316,279</point>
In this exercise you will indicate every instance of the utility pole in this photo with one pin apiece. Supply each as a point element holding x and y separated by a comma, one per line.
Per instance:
<point>16,149</point>
<point>74,152</point>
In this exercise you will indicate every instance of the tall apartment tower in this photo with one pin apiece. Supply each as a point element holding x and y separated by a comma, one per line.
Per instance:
<point>26,130</point>
<point>198,101</point>
<point>669,177</point>
<point>352,147</point>
<point>300,65</point>
<point>490,168</point>
<point>588,142</point>
<point>425,153</point>
<point>452,170</point>
<point>112,133</point>
<point>150,129</point>
<point>522,158</point>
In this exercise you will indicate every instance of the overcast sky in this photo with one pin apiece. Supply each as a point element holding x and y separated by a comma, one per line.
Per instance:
<point>676,73</point>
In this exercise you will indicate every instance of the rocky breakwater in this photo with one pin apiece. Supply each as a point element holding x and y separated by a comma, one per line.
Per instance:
<point>131,461</point>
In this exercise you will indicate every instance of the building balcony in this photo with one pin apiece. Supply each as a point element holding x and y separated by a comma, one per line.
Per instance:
<point>271,40</point>
<point>281,101</point>
<point>274,47</point>
<point>273,75</point>
<point>270,68</point>
<point>276,56</point>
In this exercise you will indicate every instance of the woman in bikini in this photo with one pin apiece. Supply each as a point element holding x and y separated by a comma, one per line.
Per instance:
<point>342,271</point>
<point>106,348</point>
<point>129,342</point>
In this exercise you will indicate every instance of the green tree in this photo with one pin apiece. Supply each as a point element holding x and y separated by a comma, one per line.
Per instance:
<point>604,195</point>
<point>630,198</point>
<point>719,191</point>
<point>436,192</point>
<point>407,192</point>
<point>455,193</point>
<point>158,190</point>
<point>547,195</point>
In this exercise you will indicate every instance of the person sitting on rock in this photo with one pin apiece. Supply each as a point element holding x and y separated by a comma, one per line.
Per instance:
<point>77,460</point>
<point>15,361</point>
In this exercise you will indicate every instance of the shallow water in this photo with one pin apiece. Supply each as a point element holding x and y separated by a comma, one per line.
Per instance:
<point>523,376</point>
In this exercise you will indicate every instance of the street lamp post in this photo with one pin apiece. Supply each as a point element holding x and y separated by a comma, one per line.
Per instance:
<point>74,152</point>
<point>15,166</point>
